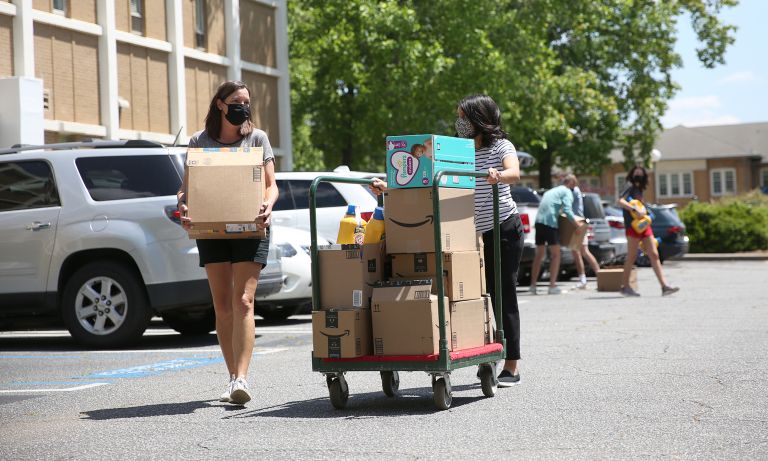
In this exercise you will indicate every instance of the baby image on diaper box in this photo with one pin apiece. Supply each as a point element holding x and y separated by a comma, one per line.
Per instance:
<point>413,160</point>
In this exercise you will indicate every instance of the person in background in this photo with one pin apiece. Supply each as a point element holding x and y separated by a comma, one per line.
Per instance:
<point>479,118</point>
<point>554,201</point>
<point>233,266</point>
<point>583,250</point>
<point>637,181</point>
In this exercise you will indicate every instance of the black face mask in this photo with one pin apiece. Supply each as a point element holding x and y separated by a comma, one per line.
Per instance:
<point>638,178</point>
<point>237,114</point>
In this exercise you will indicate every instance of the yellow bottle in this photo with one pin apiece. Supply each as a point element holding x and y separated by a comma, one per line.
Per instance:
<point>639,224</point>
<point>347,226</point>
<point>374,231</point>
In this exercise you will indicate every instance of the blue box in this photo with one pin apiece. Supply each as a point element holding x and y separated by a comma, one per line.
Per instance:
<point>413,160</point>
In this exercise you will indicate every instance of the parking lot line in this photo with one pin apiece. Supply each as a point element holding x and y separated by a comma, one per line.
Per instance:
<point>65,389</point>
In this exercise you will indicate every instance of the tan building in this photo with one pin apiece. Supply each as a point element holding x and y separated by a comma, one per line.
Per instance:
<point>147,69</point>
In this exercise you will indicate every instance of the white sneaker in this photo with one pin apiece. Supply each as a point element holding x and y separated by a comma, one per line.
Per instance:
<point>240,394</point>
<point>581,285</point>
<point>554,290</point>
<point>227,391</point>
<point>532,290</point>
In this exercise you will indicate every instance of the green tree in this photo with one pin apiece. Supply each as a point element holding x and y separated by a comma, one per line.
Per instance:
<point>574,78</point>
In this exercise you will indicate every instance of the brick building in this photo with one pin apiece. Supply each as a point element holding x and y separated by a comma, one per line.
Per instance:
<point>146,69</point>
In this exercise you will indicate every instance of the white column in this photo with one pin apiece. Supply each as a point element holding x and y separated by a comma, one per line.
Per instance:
<point>176,72</point>
<point>232,33</point>
<point>283,85</point>
<point>23,40</point>
<point>110,115</point>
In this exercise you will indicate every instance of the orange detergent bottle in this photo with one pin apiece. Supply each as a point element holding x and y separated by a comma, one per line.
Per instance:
<point>374,231</point>
<point>639,224</point>
<point>349,223</point>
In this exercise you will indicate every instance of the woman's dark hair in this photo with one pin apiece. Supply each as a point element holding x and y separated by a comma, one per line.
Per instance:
<point>213,119</point>
<point>485,116</point>
<point>643,183</point>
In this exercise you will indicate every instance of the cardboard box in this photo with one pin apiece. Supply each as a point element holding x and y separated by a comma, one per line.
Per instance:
<point>609,279</point>
<point>481,249</point>
<point>348,274</point>
<point>571,236</point>
<point>490,320</point>
<point>467,324</point>
<point>341,333</point>
<point>225,190</point>
<point>409,220</point>
<point>405,319</point>
<point>462,271</point>
<point>413,160</point>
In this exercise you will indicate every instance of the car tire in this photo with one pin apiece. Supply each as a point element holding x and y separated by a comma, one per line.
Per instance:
<point>118,317</point>
<point>277,313</point>
<point>191,323</point>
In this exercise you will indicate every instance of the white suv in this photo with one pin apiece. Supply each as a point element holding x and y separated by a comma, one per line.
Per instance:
<point>89,232</point>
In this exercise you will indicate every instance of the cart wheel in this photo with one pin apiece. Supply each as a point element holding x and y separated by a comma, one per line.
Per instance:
<point>488,380</point>
<point>442,393</point>
<point>390,382</point>
<point>339,392</point>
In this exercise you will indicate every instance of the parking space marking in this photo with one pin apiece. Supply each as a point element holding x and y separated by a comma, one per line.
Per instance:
<point>64,389</point>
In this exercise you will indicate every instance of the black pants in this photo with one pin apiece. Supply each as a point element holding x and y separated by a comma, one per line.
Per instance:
<point>511,250</point>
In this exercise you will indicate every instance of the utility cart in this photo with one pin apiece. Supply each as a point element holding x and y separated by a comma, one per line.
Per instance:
<point>438,366</point>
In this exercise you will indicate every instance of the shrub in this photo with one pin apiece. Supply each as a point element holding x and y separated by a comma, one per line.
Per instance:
<point>738,224</point>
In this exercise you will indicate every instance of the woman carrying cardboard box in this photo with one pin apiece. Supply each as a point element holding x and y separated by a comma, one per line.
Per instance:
<point>479,118</point>
<point>233,266</point>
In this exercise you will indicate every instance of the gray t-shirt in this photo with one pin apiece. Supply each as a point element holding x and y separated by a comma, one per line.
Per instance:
<point>257,138</point>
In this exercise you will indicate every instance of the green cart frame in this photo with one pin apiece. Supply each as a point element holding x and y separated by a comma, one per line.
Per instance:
<point>438,366</point>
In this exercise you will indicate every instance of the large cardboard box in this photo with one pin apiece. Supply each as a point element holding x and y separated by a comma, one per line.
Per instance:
<point>405,319</point>
<point>490,320</point>
<point>609,279</point>
<point>348,274</point>
<point>413,160</point>
<point>571,235</point>
<point>462,271</point>
<point>481,249</point>
<point>467,324</point>
<point>225,190</point>
<point>409,220</point>
<point>341,333</point>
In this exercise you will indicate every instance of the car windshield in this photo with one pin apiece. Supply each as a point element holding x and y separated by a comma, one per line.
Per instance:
<point>525,195</point>
<point>611,210</point>
<point>665,215</point>
<point>593,209</point>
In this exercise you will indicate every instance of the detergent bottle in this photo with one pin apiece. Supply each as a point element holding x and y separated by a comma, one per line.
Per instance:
<point>348,225</point>
<point>639,224</point>
<point>374,231</point>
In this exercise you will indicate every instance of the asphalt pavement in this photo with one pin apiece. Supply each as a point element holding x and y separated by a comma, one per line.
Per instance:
<point>603,377</point>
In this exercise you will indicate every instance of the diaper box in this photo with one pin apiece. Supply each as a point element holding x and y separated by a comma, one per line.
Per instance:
<point>413,160</point>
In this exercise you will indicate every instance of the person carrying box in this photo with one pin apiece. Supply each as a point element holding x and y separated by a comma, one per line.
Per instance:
<point>233,266</point>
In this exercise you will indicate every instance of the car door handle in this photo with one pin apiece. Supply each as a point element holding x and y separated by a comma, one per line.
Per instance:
<point>37,225</point>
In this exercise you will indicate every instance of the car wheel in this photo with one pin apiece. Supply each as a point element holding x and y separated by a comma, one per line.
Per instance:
<point>276,313</point>
<point>105,305</point>
<point>191,323</point>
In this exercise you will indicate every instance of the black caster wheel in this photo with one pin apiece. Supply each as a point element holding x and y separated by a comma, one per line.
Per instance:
<point>390,383</point>
<point>441,390</point>
<point>488,380</point>
<point>339,392</point>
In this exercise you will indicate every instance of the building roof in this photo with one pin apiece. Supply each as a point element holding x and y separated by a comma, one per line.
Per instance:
<point>706,142</point>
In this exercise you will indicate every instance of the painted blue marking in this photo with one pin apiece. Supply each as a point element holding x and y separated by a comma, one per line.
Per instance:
<point>51,383</point>
<point>141,371</point>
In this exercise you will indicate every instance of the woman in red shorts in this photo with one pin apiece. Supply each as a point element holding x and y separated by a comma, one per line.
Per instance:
<point>637,181</point>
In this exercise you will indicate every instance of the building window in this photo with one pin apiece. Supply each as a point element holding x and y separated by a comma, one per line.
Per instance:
<point>723,181</point>
<point>60,7</point>
<point>200,23</point>
<point>619,181</point>
<point>675,184</point>
<point>137,17</point>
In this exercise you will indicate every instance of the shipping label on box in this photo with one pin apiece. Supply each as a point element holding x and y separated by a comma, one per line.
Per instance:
<point>571,235</point>
<point>348,274</point>
<point>225,190</point>
<point>462,271</point>
<point>413,160</point>
<point>467,324</point>
<point>405,319</point>
<point>409,220</point>
<point>609,279</point>
<point>341,333</point>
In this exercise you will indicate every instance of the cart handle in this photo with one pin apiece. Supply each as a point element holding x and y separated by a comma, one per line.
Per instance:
<point>444,352</point>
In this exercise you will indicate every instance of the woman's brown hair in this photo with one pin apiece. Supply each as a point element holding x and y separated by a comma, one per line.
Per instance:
<point>213,119</point>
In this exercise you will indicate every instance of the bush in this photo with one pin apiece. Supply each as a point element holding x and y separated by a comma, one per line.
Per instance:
<point>739,224</point>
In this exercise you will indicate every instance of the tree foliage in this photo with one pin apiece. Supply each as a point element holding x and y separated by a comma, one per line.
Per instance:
<point>574,78</point>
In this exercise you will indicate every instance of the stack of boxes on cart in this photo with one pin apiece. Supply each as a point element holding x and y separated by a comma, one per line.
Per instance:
<point>381,299</point>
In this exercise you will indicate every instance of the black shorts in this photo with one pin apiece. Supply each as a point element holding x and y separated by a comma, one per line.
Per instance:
<point>233,250</point>
<point>547,235</point>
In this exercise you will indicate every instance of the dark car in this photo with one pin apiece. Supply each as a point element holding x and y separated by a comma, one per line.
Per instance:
<point>670,229</point>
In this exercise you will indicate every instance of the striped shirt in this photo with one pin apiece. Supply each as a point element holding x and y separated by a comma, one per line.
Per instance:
<point>492,157</point>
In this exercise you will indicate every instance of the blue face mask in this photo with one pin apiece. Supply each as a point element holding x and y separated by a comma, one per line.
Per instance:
<point>464,128</point>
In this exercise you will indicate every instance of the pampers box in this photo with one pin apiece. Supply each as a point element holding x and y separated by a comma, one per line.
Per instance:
<point>413,160</point>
